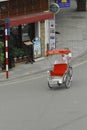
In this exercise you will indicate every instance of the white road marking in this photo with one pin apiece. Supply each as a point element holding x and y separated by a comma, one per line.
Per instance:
<point>80,64</point>
<point>36,77</point>
<point>23,80</point>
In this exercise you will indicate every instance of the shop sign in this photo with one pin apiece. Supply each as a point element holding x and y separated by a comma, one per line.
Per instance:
<point>64,3</point>
<point>54,8</point>
<point>52,33</point>
<point>37,47</point>
<point>25,37</point>
<point>8,22</point>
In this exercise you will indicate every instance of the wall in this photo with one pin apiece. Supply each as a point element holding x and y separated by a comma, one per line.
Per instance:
<point>11,8</point>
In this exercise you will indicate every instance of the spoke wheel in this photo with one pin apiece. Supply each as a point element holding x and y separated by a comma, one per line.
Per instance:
<point>68,81</point>
<point>49,85</point>
<point>70,71</point>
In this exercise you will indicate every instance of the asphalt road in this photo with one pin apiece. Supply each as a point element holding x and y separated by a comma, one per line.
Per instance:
<point>28,103</point>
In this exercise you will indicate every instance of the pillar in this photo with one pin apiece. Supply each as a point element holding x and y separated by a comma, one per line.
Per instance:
<point>42,31</point>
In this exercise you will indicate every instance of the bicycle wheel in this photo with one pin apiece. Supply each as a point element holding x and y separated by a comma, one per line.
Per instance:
<point>68,81</point>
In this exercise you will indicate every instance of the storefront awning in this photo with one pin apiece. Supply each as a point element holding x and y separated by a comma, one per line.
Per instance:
<point>15,21</point>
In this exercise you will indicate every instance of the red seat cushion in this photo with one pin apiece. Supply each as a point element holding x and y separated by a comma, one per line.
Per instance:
<point>59,70</point>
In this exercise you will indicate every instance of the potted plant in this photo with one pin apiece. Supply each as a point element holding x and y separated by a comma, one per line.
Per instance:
<point>18,54</point>
<point>21,53</point>
<point>15,54</point>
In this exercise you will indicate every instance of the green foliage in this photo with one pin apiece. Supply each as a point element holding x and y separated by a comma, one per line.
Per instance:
<point>18,52</point>
<point>1,53</point>
<point>21,52</point>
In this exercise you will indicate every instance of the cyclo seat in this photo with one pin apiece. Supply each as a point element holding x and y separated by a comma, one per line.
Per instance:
<point>59,69</point>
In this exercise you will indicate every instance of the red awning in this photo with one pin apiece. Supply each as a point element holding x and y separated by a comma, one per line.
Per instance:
<point>15,21</point>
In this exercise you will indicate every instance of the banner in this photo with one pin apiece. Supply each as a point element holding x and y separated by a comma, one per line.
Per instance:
<point>37,47</point>
<point>7,20</point>
<point>64,3</point>
<point>52,33</point>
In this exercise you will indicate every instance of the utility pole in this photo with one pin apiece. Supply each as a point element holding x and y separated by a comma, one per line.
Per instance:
<point>5,40</point>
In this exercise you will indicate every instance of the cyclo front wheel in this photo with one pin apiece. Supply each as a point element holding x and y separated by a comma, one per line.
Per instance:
<point>68,81</point>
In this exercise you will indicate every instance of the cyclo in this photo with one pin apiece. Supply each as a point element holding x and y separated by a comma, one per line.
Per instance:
<point>61,73</point>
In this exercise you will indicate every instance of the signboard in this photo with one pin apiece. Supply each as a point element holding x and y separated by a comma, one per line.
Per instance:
<point>8,22</point>
<point>64,3</point>
<point>25,37</point>
<point>37,47</point>
<point>54,8</point>
<point>52,33</point>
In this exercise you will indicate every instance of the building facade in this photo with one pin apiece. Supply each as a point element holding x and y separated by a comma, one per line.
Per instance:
<point>29,15</point>
<point>12,8</point>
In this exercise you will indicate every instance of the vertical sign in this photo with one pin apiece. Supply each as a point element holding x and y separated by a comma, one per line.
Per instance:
<point>64,3</point>
<point>52,34</point>
<point>8,22</point>
<point>37,47</point>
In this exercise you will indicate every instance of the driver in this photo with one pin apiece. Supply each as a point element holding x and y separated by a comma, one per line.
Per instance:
<point>66,58</point>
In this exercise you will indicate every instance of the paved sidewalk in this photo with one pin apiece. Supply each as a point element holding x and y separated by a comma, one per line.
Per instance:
<point>22,69</point>
<point>72,26</point>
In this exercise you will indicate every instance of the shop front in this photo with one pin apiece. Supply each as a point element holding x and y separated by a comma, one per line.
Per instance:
<point>32,28</point>
<point>28,23</point>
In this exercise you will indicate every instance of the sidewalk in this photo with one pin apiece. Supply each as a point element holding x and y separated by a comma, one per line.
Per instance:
<point>22,69</point>
<point>72,26</point>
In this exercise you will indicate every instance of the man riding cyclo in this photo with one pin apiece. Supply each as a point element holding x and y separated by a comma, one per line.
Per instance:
<point>62,70</point>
